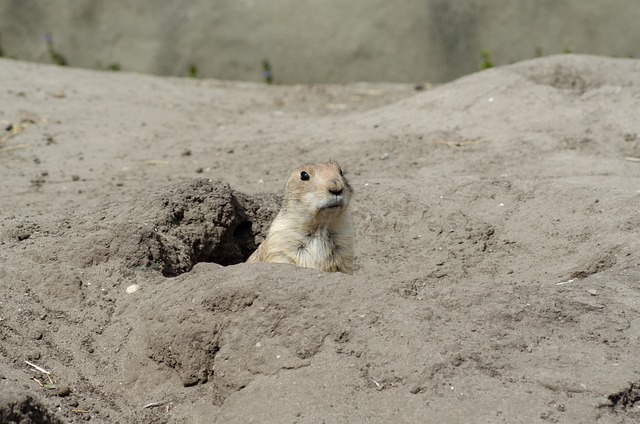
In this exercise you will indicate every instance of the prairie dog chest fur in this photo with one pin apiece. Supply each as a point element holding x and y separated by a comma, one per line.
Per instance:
<point>313,228</point>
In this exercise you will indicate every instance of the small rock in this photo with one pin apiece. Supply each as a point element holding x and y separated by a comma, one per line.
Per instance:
<point>75,177</point>
<point>23,236</point>
<point>593,292</point>
<point>63,391</point>
<point>133,288</point>
<point>33,356</point>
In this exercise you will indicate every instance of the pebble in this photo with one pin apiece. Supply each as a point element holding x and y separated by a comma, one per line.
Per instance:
<point>133,288</point>
<point>23,236</point>
<point>63,391</point>
<point>593,292</point>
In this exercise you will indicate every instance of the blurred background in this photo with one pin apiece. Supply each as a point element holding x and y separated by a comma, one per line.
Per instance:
<point>313,41</point>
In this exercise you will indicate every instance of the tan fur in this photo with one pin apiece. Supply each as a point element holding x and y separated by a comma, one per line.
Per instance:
<point>313,229</point>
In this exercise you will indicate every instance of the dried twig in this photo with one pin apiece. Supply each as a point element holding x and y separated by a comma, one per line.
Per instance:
<point>154,404</point>
<point>632,159</point>
<point>37,367</point>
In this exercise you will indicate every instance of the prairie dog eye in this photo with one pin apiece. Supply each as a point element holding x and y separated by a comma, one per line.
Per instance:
<point>304,176</point>
<point>341,174</point>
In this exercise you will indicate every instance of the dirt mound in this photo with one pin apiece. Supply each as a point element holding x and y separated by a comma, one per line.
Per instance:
<point>181,225</point>
<point>236,329</point>
<point>169,230</point>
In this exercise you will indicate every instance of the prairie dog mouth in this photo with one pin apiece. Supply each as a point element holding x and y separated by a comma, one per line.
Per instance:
<point>334,202</point>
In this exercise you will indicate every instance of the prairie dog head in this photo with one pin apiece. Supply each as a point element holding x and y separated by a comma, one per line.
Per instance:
<point>318,190</point>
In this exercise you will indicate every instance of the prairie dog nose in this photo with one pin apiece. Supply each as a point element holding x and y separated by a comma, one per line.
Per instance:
<point>335,187</point>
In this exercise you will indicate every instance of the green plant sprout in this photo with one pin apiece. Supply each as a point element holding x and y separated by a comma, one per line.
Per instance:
<point>193,71</point>
<point>485,62</point>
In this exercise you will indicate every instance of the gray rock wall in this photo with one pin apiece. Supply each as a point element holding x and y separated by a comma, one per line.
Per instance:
<point>317,40</point>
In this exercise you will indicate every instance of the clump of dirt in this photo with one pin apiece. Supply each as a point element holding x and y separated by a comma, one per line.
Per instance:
<point>24,409</point>
<point>626,400</point>
<point>601,262</point>
<point>170,230</point>
<point>197,221</point>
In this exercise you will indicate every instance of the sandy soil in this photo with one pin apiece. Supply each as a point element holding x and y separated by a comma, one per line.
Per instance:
<point>497,280</point>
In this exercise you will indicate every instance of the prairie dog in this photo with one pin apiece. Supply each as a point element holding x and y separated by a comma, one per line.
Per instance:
<point>313,229</point>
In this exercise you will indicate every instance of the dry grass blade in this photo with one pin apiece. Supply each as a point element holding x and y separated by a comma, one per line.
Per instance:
<point>154,404</point>
<point>16,147</point>
<point>42,370</point>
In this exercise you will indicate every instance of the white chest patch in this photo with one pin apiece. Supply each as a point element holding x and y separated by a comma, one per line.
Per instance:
<point>317,251</point>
